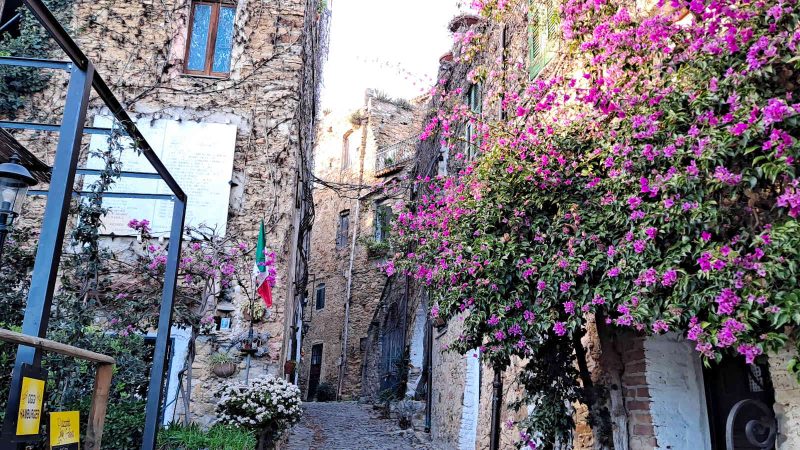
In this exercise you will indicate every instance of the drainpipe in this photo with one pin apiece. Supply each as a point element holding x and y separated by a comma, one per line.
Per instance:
<point>497,401</point>
<point>497,384</point>
<point>429,371</point>
<point>345,334</point>
<point>357,218</point>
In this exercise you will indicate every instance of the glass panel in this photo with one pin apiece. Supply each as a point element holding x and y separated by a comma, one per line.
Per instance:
<point>198,41</point>
<point>222,48</point>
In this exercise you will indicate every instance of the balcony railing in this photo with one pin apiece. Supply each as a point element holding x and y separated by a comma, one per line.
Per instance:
<point>394,156</point>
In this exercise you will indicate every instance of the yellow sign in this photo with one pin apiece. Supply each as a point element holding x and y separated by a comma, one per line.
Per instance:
<point>30,406</point>
<point>65,429</point>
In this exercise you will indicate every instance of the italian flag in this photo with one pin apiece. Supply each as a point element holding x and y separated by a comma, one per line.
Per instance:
<point>260,270</point>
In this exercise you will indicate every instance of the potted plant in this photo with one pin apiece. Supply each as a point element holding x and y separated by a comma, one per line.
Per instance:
<point>255,312</point>
<point>207,325</point>
<point>223,365</point>
<point>268,406</point>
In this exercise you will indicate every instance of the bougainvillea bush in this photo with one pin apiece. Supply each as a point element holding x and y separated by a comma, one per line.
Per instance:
<point>267,405</point>
<point>654,188</point>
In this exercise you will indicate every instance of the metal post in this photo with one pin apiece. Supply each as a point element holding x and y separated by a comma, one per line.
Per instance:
<point>48,252</point>
<point>155,388</point>
<point>497,401</point>
<point>3,235</point>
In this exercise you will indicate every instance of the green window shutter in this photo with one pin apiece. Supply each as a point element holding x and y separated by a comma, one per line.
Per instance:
<point>537,39</point>
<point>543,35</point>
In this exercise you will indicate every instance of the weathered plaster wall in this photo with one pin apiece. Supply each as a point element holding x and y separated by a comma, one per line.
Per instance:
<point>678,403</point>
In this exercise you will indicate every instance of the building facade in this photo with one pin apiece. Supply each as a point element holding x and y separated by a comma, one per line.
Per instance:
<point>226,92</point>
<point>361,166</point>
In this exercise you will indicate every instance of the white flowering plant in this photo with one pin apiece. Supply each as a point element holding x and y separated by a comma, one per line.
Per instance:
<point>268,405</point>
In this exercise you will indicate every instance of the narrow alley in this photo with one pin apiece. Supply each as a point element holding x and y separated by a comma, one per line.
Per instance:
<point>349,426</point>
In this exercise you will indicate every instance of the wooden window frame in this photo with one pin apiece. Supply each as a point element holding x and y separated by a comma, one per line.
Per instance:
<point>211,40</point>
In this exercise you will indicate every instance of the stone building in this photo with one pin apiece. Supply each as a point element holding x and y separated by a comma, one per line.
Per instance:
<point>659,393</point>
<point>361,164</point>
<point>226,92</point>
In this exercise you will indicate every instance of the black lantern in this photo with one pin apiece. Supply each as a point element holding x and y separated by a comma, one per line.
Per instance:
<point>14,183</point>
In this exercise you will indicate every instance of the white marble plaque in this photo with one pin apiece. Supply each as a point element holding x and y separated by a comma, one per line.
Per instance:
<point>198,155</point>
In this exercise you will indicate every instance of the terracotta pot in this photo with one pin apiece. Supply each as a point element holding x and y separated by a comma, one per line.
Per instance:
<point>224,370</point>
<point>288,367</point>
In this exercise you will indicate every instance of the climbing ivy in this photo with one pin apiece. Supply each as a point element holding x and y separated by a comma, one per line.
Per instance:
<point>17,83</point>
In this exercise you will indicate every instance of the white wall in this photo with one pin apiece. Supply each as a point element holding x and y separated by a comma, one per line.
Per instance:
<point>179,351</point>
<point>417,347</point>
<point>471,403</point>
<point>675,379</point>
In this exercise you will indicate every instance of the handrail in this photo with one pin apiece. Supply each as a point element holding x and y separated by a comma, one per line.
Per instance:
<point>54,347</point>
<point>102,378</point>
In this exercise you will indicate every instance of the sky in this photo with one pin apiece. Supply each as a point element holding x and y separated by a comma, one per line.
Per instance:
<point>393,46</point>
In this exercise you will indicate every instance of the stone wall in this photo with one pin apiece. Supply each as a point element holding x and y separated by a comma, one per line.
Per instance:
<point>271,97</point>
<point>787,400</point>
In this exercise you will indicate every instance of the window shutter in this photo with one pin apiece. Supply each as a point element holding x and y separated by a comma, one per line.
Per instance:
<point>553,22</point>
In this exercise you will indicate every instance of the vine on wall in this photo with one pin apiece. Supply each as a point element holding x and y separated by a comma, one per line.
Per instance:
<point>31,40</point>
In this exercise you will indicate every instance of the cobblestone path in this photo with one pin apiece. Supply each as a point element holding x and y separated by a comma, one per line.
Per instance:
<point>348,426</point>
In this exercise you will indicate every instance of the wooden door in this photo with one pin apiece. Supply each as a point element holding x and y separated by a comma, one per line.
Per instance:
<point>314,371</point>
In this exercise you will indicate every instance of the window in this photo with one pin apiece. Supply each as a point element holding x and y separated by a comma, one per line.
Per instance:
<point>444,157</point>
<point>208,51</point>
<point>319,302</point>
<point>471,139</point>
<point>344,229</point>
<point>542,34</point>
<point>383,222</point>
<point>347,151</point>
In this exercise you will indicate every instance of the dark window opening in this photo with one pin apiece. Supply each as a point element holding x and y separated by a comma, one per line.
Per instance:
<point>210,42</point>
<point>343,230</point>
<point>320,297</point>
<point>383,222</point>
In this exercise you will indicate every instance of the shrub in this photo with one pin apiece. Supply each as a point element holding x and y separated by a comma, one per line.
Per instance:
<point>268,406</point>
<point>325,392</point>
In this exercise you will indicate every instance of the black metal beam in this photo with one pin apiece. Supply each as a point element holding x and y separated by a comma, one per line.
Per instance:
<point>113,195</point>
<point>74,52</point>
<point>35,126</point>
<point>147,175</point>
<point>34,62</point>
<point>51,239</point>
<point>129,126</point>
<point>155,388</point>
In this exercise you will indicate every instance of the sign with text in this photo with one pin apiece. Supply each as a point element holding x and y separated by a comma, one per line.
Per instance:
<point>199,155</point>
<point>65,430</point>
<point>30,406</point>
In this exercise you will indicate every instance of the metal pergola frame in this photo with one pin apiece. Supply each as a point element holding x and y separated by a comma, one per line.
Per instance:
<point>82,79</point>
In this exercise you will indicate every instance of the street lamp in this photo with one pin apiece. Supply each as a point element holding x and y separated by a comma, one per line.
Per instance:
<point>14,183</point>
